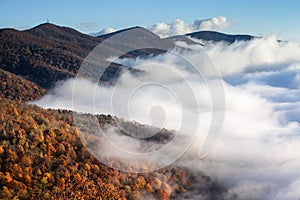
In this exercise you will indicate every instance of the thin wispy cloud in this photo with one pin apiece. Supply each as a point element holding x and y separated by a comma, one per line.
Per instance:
<point>88,26</point>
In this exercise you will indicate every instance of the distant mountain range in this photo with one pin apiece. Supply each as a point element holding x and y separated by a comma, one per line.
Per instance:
<point>48,53</point>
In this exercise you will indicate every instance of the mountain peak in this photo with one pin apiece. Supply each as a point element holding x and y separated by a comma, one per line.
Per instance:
<point>51,28</point>
<point>53,32</point>
<point>46,24</point>
<point>140,29</point>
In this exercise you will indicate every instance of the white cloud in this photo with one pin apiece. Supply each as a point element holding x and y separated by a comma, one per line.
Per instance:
<point>180,27</point>
<point>214,23</point>
<point>255,55</point>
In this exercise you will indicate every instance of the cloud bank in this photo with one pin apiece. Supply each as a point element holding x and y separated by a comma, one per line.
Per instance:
<point>258,154</point>
<point>180,27</point>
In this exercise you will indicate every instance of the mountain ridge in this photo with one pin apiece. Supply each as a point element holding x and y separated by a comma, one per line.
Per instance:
<point>220,37</point>
<point>43,157</point>
<point>48,53</point>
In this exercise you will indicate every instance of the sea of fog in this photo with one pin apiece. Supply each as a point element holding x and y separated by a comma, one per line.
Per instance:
<point>257,155</point>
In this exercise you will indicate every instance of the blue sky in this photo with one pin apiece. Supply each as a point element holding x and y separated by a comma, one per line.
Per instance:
<point>258,17</point>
